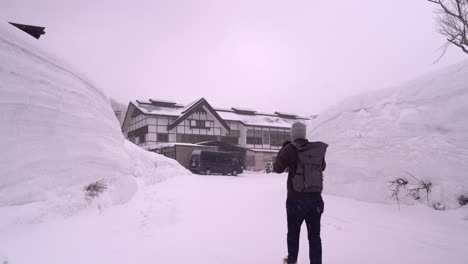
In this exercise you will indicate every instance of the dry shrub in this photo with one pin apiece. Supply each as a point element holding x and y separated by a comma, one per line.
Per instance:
<point>94,189</point>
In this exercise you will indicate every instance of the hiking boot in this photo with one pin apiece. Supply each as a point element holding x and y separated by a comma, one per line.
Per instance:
<point>285,261</point>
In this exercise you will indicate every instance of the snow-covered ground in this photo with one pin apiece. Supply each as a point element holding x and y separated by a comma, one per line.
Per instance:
<point>419,129</point>
<point>232,220</point>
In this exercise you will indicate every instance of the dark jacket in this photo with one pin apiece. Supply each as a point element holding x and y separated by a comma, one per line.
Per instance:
<point>287,158</point>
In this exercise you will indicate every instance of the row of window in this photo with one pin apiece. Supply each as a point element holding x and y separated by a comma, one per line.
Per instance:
<point>189,138</point>
<point>194,121</point>
<point>255,135</point>
<point>164,138</point>
<point>161,137</point>
<point>267,137</point>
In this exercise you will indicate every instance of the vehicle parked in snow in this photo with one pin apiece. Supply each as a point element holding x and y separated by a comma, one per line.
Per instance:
<point>269,167</point>
<point>209,162</point>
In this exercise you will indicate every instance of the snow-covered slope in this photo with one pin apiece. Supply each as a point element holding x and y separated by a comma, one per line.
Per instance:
<point>58,134</point>
<point>420,128</point>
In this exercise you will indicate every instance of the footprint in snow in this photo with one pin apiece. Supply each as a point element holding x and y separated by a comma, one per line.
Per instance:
<point>332,225</point>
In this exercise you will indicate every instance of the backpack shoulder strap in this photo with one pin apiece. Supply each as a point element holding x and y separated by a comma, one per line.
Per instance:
<point>296,145</point>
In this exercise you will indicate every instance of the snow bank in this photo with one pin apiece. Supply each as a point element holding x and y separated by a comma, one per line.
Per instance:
<point>420,128</point>
<point>60,134</point>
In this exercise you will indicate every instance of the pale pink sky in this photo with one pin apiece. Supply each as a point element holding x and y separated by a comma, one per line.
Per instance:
<point>291,56</point>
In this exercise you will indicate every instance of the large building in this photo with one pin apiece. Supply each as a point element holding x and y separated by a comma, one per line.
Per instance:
<point>157,125</point>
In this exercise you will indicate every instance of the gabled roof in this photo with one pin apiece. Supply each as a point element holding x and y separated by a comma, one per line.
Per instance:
<point>190,105</point>
<point>191,108</point>
<point>176,111</point>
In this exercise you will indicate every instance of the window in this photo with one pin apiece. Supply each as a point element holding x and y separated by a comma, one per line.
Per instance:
<point>230,140</point>
<point>201,124</point>
<point>234,133</point>
<point>278,138</point>
<point>188,138</point>
<point>143,138</point>
<point>208,156</point>
<point>254,137</point>
<point>222,158</point>
<point>161,137</point>
<point>266,137</point>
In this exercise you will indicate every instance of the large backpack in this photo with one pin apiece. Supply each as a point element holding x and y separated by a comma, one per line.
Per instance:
<point>309,177</point>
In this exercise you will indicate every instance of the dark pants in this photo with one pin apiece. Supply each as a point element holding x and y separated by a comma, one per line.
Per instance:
<point>309,209</point>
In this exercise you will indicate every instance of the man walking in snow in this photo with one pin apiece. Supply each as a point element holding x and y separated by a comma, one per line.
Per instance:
<point>306,162</point>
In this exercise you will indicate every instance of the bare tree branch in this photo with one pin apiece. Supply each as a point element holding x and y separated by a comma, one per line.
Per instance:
<point>459,45</point>
<point>444,50</point>
<point>452,22</point>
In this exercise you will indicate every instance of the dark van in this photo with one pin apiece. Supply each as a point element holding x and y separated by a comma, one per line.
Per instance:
<point>208,162</point>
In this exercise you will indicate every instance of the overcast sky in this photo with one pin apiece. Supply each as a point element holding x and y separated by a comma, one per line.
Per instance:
<point>291,56</point>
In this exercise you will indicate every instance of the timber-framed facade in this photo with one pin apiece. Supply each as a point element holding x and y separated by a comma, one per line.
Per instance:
<point>156,123</point>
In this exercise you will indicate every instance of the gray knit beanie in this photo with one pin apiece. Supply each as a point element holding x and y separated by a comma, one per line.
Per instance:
<point>298,130</point>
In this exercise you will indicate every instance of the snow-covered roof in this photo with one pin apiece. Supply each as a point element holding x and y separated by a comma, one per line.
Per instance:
<point>265,150</point>
<point>281,119</point>
<point>258,120</point>
<point>191,104</point>
<point>167,145</point>
<point>287,115</point>
<point>243,109</point>
<point>148,108</point>
<point>162,101</point>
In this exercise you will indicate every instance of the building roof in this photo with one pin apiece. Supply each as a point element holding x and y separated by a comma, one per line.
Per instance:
<point>148,108</point>
<point>265,150</point>
<point>243,111</point>
<point>258,120</point>
<point>220,144</point>
<point>187,111</point>
<point>246,116</point>
<point>167,145</point>
<point>286,115</point>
